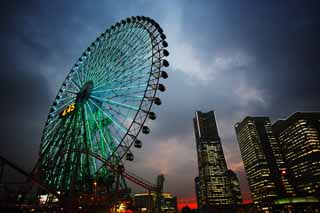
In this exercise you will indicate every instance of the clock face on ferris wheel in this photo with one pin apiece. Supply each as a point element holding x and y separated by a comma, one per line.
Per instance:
<point>103,103</point>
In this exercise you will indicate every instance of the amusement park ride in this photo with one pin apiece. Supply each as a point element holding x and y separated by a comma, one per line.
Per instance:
<point>96,118</point>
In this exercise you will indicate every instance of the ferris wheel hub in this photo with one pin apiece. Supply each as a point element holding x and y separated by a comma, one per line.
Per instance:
<point>84,94</point>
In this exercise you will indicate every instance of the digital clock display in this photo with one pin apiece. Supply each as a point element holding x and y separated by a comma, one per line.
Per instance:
<point>69,109</point>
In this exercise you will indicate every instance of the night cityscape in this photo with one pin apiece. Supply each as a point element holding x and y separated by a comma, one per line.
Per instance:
<point>160,106</point>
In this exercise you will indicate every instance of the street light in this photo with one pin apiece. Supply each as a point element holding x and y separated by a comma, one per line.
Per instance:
<point>95,187</point>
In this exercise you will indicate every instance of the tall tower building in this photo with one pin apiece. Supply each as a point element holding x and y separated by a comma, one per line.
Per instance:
<point>299,139</point>
<point>261,156</point>
<point>214,183</point>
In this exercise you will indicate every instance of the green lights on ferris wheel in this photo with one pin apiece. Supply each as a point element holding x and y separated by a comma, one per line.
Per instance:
<point>103,104</point>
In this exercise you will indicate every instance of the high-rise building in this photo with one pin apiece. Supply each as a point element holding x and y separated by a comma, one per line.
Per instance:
<point>214,183</point>
<point>261,157</point>
<point>299,140</point>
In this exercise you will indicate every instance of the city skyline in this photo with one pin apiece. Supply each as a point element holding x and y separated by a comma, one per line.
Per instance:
<point>281,160</point>
<point>237,58</point>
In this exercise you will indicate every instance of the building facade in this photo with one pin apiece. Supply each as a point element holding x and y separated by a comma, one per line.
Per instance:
<point>214,183</point>
<point>261,156</point>
<point>299,141</point>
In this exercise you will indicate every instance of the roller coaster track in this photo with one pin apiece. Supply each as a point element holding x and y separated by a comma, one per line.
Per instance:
<point>29,176</point>
<point>120,169</point>
<point>116,168</point>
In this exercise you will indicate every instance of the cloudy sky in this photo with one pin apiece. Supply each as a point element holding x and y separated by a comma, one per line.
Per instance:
<point>238,58</point>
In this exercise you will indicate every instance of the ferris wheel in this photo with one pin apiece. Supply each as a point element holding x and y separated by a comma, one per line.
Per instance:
<point>103,104</point>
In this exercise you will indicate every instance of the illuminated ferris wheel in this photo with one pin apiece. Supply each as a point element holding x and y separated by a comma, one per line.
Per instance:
<point>103,104</point>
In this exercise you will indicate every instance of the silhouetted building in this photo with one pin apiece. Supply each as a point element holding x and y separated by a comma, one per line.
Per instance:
<point>234,187</point>
<point>197,189</point>
<point>299,139</point>
<point>214,183</point>
<point>145,202</point>
<point>260,154</point>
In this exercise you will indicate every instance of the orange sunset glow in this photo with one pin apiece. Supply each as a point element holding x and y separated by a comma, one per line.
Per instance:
<point>191,202</point>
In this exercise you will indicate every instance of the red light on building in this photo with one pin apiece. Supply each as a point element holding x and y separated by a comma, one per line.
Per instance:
<point>283,172</point>
<point>247,201</point>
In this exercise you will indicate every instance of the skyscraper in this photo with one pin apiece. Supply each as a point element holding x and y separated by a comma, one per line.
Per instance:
<point>214,183</point>
<point>260,155</point>
<point>299,139</point>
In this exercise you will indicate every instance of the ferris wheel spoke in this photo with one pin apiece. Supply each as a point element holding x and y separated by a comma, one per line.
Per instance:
<point>62,140</point>
<point>131,66</point>
<point>97,70</point>
<point>67,98</point>
<point>62,106</point>
<point>134,97</point>
<point>47,134</point>
<point>50,122</point>
<point>132,34</point>
<point>134,41</point>
<point>129,72</point>
<point>126,74</point>
<point>119,113</point>
<point>146,50</point>
<point>89,134</point>
<point>78,74</point>
<point>93,70</point>
<point>99,127</point>
<point>71,91</point>
<point>57,126</point>
<point>137,44</point>
<point>118,64</point>
<point>115,103</point>
<point>127,87</point>
<point>56,137</point>
<point>119,88</point>
<point>130,81</point>
<point>101,150</point>
<point>74,75</point>
<point>78,144</point>
<point>67,151</point>
<point>75,83</point>
<point>113,119</point>
<point>131,45</point>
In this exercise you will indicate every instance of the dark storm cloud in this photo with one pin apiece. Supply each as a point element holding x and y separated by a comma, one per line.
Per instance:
<point>23,95</point>
<point>284,39</point>
<point>238,58</point>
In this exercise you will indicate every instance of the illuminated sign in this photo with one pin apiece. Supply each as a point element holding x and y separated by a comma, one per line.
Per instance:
<point>69,109</point>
